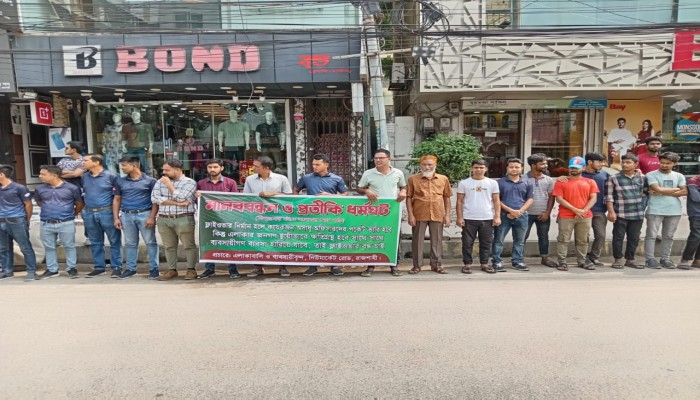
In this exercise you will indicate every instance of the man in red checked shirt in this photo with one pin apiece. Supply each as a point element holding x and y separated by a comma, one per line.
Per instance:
<point>576,197</point>
<point>216,182</point>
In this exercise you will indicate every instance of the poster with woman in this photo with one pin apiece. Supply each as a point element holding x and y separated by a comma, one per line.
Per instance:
<point>627,124</point>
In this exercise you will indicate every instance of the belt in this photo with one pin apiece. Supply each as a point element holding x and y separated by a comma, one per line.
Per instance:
<point>98,208</point>
<point>57,221</point>
<point>136,211</point>
<point>13,219</point>
<point>172,216</point>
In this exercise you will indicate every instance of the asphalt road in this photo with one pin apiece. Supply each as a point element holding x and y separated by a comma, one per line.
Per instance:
<point>541,334</point>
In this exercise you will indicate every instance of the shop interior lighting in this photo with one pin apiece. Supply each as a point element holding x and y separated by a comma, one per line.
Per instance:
<point>122,90</point>
<point>297,87</point>
<point>190,88</point>
<point>54,92</point>
<point>155,90</point>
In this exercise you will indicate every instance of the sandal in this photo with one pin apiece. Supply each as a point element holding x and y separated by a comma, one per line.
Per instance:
<point>439,270</point>
<point>414,270</point>
<point>617,264</point>
<point>396,272</point>
<point>467,269</point>
<point>488,269</point>
<point>367,273</point>
<point>562,267</point>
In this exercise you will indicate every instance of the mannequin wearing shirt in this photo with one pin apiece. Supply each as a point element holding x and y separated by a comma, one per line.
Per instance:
<point>234,137</point>
<point>113,145</point>
<point>138,140</point>
<point>269,137</point>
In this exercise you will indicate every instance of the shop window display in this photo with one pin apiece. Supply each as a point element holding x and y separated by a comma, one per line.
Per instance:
<point>681,132</point>
<point>558,133</point>
<point>192,133</point>
<point>499,134</point>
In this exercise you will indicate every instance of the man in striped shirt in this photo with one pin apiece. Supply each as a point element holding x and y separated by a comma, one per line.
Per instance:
<point>624,197</point>
<point>174,193</point>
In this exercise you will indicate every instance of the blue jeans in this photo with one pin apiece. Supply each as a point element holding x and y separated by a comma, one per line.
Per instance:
<point>97,224</point>
<point>64,231</point>
<point>132,225</point>
<point>542,233</point>
<point>19,232</point>
<point>519,227</point>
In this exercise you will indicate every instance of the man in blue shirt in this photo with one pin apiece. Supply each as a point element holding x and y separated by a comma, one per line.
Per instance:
<point>98,193</point>
<point>60,202</point>
<point>15,213</point>
<point>516,198</point>
<point>134,213</point>
<point>594,170</point>
<point>321,182</point>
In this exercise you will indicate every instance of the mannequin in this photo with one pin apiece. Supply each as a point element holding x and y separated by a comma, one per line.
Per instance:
<point>138,141</point>
<point>233,136</point>
<point>269,137</point>
<point>113,145</point>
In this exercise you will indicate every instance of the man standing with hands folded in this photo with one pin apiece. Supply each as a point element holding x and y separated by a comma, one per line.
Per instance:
<point>576,197</point>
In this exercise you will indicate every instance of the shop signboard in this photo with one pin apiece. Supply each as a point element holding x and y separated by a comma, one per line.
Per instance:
<point>688,127</point>
<point>42,113</point>
<point>297,230</point>
<point>534,104</point>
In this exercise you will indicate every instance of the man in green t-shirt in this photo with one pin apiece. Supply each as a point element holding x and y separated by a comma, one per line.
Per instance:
<point>664,210</point>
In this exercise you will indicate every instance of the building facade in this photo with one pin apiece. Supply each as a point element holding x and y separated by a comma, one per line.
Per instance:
<point>562,80</point>
<point>198,81</point>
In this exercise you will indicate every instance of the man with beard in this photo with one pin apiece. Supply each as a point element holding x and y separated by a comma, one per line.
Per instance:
<point>624,197</point>
<point>649,160</point>
<point>594,171</point>
<point>428,206</point>
<point>216,182</point>
<point>174,193</point>
<point>664,210</point>
<point>576,197</point>
<point>543,202</point>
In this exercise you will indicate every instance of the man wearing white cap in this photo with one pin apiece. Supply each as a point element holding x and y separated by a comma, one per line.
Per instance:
<point>576,197</point>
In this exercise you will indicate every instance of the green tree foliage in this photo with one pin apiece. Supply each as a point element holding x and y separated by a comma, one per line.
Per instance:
<point>455,155</point>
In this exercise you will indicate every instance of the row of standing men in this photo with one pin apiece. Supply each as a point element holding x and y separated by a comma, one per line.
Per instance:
<point>588,198</point>
<point>136,203</point>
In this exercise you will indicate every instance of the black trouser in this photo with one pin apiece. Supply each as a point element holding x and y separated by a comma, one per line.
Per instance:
<point>484,230</point>
<point>692,246</point>
<point>630,228</point>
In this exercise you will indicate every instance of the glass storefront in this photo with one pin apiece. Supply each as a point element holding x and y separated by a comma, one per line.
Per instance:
<point>558,133</point>
<point>499,134</point>
<point>192,133</point>
<point>681,132</point>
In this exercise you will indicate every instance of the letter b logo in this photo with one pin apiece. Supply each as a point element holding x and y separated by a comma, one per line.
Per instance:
<point>82,60</point>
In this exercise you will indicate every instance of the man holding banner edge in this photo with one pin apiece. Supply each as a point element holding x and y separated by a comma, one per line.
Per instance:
<point>383,181</point>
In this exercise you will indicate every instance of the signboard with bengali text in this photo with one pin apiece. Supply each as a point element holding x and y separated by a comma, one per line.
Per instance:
<point>298,230</point>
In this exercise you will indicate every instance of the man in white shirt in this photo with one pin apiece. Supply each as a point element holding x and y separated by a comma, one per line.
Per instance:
<point>266,183</point>
<point>620,138</point>
<point>478,212</point>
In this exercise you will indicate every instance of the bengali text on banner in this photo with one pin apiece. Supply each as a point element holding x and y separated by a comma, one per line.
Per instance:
<point>298,230</point>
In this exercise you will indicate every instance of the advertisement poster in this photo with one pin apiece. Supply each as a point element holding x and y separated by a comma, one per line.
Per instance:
<point>297,230</point>
<point>627,124</point>
<point>58,137</point>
